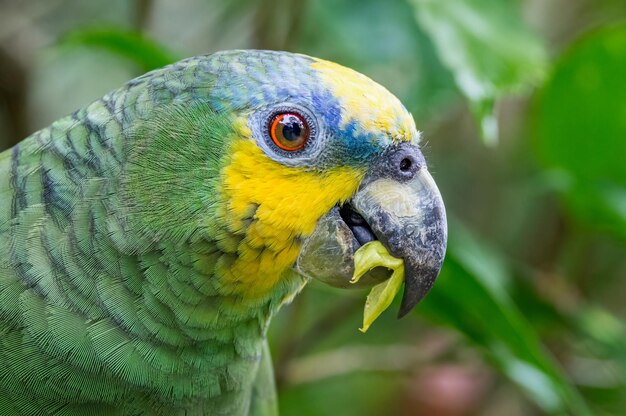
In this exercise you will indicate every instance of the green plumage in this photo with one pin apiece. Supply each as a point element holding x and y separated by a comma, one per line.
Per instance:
<point>110,301</point>
<point>147,239</point>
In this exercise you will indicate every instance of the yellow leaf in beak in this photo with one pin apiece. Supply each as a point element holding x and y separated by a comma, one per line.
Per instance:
<point>370,255</point>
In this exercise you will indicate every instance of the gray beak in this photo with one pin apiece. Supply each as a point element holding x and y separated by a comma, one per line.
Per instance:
<point>410,220</point>
<point>397,203</point>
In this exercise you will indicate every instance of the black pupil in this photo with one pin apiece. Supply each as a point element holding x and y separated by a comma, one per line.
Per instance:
<point>292,128</point>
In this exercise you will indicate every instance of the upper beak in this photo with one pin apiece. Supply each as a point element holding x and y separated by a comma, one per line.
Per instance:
<point>409,219</point>
<point>397,203</point>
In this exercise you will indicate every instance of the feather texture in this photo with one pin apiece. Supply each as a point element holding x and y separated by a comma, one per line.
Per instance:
<point>146,240</point>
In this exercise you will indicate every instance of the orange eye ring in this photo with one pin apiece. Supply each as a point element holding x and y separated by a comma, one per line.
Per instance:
<point>289,131</point>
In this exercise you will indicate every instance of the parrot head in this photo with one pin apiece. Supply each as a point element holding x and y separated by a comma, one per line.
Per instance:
<point>307,161</point>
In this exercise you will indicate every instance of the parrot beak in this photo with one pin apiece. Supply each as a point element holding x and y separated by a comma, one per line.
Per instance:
<point>398,204</point>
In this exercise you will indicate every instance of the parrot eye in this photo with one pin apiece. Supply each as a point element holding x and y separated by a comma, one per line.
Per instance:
<point>289,131</point>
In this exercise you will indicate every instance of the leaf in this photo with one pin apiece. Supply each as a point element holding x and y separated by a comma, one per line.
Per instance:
<point>471,297</point>
<point>580,129</point>
<point>146,53</point>
<point>487,47</point>
<point>398,54</point>
<point>367,257</point>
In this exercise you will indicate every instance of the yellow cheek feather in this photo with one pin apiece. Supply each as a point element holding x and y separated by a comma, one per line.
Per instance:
<point>285,204</point>
<point>368,103</point>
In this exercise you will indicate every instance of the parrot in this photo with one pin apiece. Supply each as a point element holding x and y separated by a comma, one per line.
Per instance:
<point>147,239</point>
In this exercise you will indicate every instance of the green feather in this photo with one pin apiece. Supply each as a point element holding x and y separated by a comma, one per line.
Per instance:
<point>111,256</point>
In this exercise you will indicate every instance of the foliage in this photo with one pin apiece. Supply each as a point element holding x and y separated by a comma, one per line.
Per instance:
<point>147,54</point>
<point>487,47</point>
<point>488,317</point>
<point>581,117</point>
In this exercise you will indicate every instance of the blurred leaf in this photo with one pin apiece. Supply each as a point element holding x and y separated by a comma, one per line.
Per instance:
<point>488,48</point>
<point>368,394</point>
<point>599,364</point>
<point>147,54</point>
<point>398,53</point>
<point>580,125</point>
<point>604,328</point>
<point>470,296</point>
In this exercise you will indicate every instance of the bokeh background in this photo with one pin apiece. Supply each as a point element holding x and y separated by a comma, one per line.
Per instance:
<point>523,109</point>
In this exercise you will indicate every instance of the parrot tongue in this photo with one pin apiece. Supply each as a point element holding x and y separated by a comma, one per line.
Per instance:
<point>356,223</point>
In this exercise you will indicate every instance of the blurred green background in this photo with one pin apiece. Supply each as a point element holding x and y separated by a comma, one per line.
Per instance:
<point>523,109</point>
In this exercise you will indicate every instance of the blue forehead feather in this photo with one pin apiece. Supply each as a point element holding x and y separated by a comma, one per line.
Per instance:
<point>248,81</point>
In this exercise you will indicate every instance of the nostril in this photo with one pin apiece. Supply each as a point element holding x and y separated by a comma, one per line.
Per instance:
<point>403,161</point>
<point>406,164</point>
